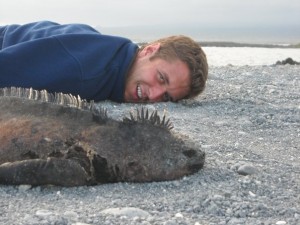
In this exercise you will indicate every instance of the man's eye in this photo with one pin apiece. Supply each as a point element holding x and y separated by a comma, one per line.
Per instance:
<point>161,77</point>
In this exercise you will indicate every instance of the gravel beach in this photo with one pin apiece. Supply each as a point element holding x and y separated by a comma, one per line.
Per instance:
<point>247,122</point>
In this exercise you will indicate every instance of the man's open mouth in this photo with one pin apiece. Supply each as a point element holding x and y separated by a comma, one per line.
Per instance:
<point>139,91</point>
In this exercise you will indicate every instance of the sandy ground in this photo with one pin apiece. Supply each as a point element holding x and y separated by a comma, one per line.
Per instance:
<point>247,122</point>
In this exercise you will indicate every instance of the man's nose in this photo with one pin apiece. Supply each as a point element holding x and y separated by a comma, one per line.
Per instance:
<point>156,93</point>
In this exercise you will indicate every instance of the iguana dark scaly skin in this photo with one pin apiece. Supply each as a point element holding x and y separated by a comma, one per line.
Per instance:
<point>62,140</point>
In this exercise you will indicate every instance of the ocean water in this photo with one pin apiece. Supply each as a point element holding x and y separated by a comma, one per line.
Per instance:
<point>222,56</point>
<point>239,56</point>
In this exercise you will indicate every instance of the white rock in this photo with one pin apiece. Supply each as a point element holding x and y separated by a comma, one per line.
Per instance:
<point>178,215</point>
<point>247,169</point>
<point>24,187</point>
<point>281,222</point>
<point>252,194</point>
<point>43,213</point>
<point>78,223</point>
<point>71,215</point>
<point>129,212</point>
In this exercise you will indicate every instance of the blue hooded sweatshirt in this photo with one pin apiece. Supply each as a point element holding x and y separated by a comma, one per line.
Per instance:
<point>73,58</point>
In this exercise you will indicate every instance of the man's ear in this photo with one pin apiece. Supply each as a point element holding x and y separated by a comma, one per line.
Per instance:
<point>150,49</point>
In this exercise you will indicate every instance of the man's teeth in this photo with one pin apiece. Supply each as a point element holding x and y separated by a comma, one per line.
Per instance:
<point>139,92</point>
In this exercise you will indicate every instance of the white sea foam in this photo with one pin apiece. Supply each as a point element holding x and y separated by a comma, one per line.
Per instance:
<point>239,56</point>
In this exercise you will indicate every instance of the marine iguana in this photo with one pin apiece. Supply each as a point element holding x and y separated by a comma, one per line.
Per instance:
<point>62,140</point>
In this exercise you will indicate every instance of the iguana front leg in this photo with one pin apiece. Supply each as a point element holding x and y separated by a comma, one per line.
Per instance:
<point>62,172</point>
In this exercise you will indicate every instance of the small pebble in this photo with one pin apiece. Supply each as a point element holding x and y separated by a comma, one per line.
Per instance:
<point>252,194</point>
<point>246,169</point>
<point>129,212</point>
<point>178,215</point>
<point>170,222</point>
<point>280,222</point>
<point>71,215</point>
<point>24,187</point>
<point>78,223</point>
<point>43,213</point>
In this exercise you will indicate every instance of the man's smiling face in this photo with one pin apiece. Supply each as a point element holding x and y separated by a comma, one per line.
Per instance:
<point>156,80</point>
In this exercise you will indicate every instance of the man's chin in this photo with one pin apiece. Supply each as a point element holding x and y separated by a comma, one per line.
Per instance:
<point>135,101</point>
<point>130,100</point>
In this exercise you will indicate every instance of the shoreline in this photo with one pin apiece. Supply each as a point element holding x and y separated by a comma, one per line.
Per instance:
<point>239,44</point>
